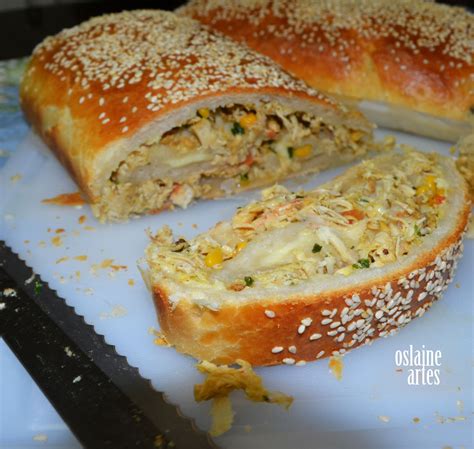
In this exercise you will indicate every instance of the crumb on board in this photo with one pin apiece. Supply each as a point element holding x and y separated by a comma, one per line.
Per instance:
<point>68,351</point>
<point>457,285</point>
<point>42,244</point>
<point>15,178</point>
<point>66,199</point>
<point>62,259</point>
<point>117,311</point>
<point>88,291</point>
<point>60,231</point>
<point>81,258</point>
<point>26,242</point>
<point>40,437</point>
<point>336,366</point>
<point>82,219</point>
<point>221,380</point>
<point>89,228</point>
<point>384,418</point>
<point>248,428</point>
<point>57,241</point>
<point>131,282</point>
<point>2,305</point>
<point>194,226</point>
<point>416,420</point>
<point>76,379</point>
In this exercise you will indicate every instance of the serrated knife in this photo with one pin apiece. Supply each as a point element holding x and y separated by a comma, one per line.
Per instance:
<point>103,400</point>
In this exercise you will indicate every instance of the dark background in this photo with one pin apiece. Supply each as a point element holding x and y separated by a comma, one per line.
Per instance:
<point>22,29</point>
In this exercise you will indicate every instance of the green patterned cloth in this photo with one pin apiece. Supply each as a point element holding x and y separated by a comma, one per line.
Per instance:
<point>13,128</point>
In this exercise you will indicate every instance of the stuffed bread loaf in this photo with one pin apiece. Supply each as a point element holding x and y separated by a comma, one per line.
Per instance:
<point>148,110</point>
<point>407,64</point>
<point>300,276</point>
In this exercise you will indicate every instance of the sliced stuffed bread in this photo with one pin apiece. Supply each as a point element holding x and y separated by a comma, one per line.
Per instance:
<point>300,276</point>
<point>408,64</point>
<point>149,110</point>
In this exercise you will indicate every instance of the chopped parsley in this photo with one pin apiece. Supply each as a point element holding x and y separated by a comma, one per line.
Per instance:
<point>290,152</point>
<point>316,248</point>
<point>248,281</point>
<point>38,287</point>
<point>361,263</point>
<point>237,129</point>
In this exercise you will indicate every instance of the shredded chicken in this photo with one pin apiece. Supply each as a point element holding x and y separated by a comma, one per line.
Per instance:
<point>222,380</point>
<point>370,219</point>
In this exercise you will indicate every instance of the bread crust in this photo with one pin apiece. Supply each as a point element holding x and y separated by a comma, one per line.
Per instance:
<point>378,308</point>
<point>84,94</point>
<point>412,54</point>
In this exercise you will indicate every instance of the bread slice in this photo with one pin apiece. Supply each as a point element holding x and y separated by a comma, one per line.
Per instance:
<point>407,64</point>
<point>149,110</point>
<point>300,276</point>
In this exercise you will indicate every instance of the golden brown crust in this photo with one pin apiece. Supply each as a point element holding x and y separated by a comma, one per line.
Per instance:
<point>90,89</point>
<point>409,53</point>
<point>275,332</point>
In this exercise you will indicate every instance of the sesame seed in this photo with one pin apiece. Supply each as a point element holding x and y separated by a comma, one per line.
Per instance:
<point>125,129</point>
<point>300,363</point>
<point>288,361</point>
<point>301,328</point>
<point>306,321</point>
<point>320,354</point>
<point>326,321</point>
<point>315,337</point>
<point>292,349</point>
<point>270,313</point>
<point>277,349</point>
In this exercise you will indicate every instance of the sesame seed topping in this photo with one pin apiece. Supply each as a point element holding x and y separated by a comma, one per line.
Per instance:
<point>288,361</point>
<point>292,349</point>
<point>270,313</point>
<point>300,363</point>
<point>277,349</point>
<point>125,129</point>
<point>306,321</point>
<point>301,328</point>
<point>315,337</point>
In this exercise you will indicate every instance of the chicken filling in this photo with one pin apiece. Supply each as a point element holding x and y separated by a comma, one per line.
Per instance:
<point>235,147</point>
<point>371,218</point>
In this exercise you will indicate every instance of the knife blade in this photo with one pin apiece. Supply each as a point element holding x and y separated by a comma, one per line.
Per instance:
<point>104,401</point>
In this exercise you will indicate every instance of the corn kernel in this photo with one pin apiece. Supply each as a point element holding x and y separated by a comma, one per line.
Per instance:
<point>240,246</point>
<point>214,257</point>
<point>203,112</point>
<point>248,120</point>
<point>303,151</point>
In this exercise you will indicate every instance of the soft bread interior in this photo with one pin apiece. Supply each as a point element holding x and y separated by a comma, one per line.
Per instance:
<point>220,147</point>
<point>442,206</point>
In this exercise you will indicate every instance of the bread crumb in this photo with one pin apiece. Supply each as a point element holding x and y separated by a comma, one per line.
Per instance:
<point>42,244</point>
<point>131,282</point>
<point>336,365</point>
<point>160,339</point>
<point>2,306</point>
<point>56,241</point>
<point>9,293</point>
<point>116,312</point>
<point>384,418</point>
<point>89,228</point>
<point>62,259</point>
<point>41,437</point>
<point>15,178</point>
<point>416,420</point>
<point>82,219</point>
<point>457,285</point>
<point>76,379</point>
<point>26,242</point>
<point>81,258</point>
<point>194,226</point>
<point>221,381</point>
<point>68,351</point>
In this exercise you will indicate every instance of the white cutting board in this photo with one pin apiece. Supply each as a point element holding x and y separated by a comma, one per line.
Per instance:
<point>326,413</point>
